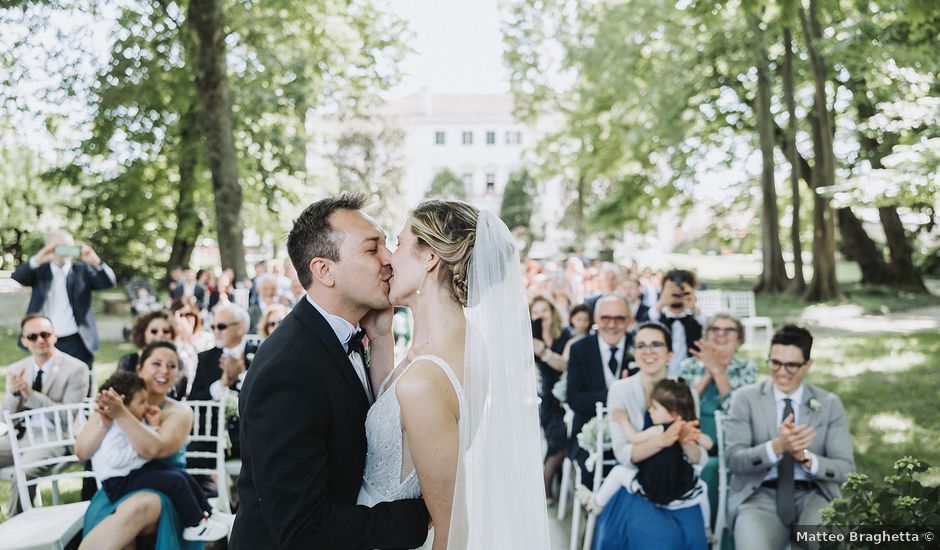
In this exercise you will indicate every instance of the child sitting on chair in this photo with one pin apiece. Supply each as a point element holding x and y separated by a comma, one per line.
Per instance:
<point>120,469</point>
<point>667,476</point>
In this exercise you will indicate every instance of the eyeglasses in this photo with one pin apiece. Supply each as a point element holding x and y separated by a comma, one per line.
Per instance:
<point>222,326</point>
<point>619,319</point>
<point>156,331</point>
<point>727,331</point>
<point>652,346</point>
<point>791,368</point>
<point>33,337</point>
<point>189,314</point>
<point>272,324</point>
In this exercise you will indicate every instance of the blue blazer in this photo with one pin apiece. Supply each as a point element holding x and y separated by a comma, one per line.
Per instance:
<point>81,281</point>
<point>586,383</point>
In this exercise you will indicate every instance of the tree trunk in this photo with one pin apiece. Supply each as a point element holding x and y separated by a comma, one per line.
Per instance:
<point>861,249</point>
<point>208,22</point>
<point>906,275</point>
<point>773,277</point>
<point>188,223</point>
<point>580,194</point>
<point>798,283</point>
<point>824,285</point>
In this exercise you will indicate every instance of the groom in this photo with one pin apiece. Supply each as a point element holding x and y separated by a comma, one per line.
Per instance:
<point>304,401</point>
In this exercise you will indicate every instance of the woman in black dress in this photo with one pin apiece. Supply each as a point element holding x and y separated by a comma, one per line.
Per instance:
<point>548,343</point>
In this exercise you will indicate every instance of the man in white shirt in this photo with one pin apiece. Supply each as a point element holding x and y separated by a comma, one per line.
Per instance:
<point>62,291</point>
<point>788,448</point>
<point>677,310</point>
<point>47,377</point>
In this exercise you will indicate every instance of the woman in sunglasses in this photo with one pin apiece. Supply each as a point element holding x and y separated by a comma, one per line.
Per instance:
<point>191,340</point>
<point>149,327</point>
<point>630,519</point>
<point>271,319</point>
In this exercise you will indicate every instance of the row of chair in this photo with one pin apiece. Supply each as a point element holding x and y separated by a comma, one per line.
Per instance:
<point>741,305</point>
<point>572,473</point>
<point>53,526</point>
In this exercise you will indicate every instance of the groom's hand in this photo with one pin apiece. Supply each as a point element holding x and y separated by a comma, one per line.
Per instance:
<point>378,323</point>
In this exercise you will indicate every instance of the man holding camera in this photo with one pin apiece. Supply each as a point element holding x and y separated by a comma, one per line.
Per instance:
<point>63,275</point>
<point>677,310</point>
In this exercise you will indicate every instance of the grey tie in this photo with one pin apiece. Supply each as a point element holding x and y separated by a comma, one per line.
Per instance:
<point>785,502</point>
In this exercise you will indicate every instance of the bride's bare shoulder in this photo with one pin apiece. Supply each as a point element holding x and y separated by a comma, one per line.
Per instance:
<point>425,383</point>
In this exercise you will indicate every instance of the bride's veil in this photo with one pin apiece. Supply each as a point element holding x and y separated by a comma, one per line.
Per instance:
<point>499,498</point>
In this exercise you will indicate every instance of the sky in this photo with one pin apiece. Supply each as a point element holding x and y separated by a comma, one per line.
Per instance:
<point>457,47</point>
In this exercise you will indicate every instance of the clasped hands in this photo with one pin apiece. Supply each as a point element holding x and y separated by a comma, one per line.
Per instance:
<point>232,367</point>
<point>793,439</point>
<point>19,385</point>
<point>682,431</point>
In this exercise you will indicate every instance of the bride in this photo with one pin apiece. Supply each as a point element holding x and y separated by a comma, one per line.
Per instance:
<point>456,421</point>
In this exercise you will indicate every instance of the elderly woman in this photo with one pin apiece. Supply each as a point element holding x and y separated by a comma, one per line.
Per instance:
<point>268,296</point>
<point>117,524</point>
<point>548,340</point>
<point>715,373</point>
<point>148,328</point>
<point>630,520</point>
<point>271,319</point>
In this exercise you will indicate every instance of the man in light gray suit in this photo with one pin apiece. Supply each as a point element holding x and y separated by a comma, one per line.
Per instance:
<point>47,377</point>
<point>788,448</point>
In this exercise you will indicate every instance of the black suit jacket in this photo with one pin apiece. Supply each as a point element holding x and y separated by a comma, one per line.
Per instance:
<point>199,293</point>
<point>586,382</point>
<point>303,448</point>
<point>80,282</point>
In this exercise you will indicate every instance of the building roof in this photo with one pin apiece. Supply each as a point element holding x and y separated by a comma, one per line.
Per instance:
<point>444,105</point>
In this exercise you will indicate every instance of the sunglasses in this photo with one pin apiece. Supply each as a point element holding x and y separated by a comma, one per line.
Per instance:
<point>189,314</point>
<point>272,324</point>
<point>35,336</point>
<point>222,326</point>
<point>156,331</point>
<point>652,346</point>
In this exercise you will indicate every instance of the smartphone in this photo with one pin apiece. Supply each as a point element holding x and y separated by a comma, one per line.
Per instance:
<point>70,250</point>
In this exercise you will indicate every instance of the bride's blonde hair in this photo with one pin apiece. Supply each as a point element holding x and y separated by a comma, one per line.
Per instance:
<point>448,227</point>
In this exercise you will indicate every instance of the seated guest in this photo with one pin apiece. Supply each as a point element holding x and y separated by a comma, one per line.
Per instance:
<point>632,519</point>
<point>715,373</point>
<point>116,524</point>
<point>595,363</point>
<point>47,377</point>
<point>629,288</point>
<point>190,340</point>
<point>788,448</point>
<point>121,469</point>
<point>261,269</point>
<point>267,296</point>
<point>271,319</point>
<point>580,321</point>
<point>190,286</point>
<point>548,342</point>
<point>678,311</point>
<point>223,293</point>
<point>148,328</point>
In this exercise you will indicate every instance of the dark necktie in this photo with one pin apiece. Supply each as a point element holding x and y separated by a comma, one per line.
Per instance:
<point>612,364</point>
<point>37,383</point>
<point>785,502</point>
<point>355,343</point>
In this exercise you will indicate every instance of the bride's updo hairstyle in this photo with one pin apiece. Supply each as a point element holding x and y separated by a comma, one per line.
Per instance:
<point>448,227</point>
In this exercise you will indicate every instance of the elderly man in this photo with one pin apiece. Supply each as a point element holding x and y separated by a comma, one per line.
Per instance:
<point>268,295</point>
<point>47,377</point>
<point>788,448</point>
<point>594,363</point>
<point>62,291</point>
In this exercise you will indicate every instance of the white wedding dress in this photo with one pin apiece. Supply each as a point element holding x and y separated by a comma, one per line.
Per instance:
<point>384,480</point>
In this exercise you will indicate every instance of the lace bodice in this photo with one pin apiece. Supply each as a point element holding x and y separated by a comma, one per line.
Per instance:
<point>382,481</point>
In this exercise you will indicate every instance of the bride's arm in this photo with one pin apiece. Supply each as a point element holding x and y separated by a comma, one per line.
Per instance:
<point>378,326</point>
<point>429,415</point>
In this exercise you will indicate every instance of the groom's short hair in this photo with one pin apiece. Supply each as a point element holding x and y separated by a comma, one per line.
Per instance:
<point>313,237</point>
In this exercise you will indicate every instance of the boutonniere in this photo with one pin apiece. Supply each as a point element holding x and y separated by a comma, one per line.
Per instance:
<point>814,404</point>
<point>249,357</point>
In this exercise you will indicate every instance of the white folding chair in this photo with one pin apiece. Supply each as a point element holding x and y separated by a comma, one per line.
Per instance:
<point>214,414</point>
<point>567,470</point>
<point>709,302</point>
<point>721,519</point>
<point>601,446</point>
<point>743,306</point>
<point>40,526</point>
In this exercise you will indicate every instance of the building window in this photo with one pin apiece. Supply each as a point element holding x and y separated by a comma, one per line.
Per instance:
<point>438,138</point>
<point>467,138</point>
<point>490,182</point>
<point>491,138</point>
<point>513,138</point>
<point>467,178</point>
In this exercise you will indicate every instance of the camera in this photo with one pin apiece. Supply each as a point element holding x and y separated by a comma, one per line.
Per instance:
<point>68,250</point>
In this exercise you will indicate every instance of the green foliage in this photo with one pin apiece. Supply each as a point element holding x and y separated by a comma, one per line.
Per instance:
<point>518,200</point>
<point>23,200</point>
<point>447,184</point>
<point>901,501</point>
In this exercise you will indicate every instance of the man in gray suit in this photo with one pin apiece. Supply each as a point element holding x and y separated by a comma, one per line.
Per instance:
<point>47,377</point>
<point>788,448</point>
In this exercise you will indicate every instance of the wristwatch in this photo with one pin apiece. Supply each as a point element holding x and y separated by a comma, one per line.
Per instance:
<point>807,457</point>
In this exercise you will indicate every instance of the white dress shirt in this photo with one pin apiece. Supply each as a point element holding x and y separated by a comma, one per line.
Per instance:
<point>609,377</point>
<point>58,308</point>
<point>796,400</point>
<point>215,389</point>
<point>344,332</point>
<point>680,350</point>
